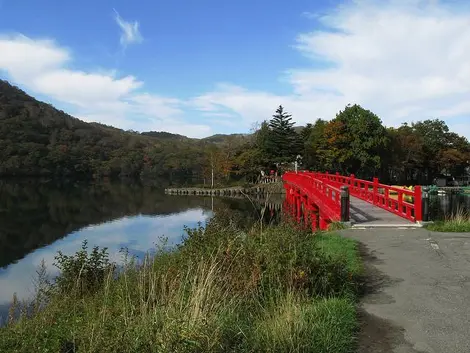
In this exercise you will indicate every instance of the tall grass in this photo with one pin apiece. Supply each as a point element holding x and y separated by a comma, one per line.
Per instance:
<point>222,290</point>
<point>457,222</point>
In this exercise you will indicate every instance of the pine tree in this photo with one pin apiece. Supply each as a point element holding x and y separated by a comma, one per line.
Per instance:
<point>284,143</point>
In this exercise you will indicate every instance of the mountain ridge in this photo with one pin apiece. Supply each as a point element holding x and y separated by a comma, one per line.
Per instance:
<point>36,139</point>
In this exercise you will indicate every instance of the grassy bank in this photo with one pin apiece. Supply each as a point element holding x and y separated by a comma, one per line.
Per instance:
<point>459,222</point>
<point>222,290</point>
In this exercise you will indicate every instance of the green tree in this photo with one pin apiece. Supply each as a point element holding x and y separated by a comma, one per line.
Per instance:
<point>403,164</point>
<point>454,158</point>
<point>434,136</point>
<point>306,132</point>
<point>356,142</point>
<point>284,144</point>
<point>262,144</point>
<point>316,146</point>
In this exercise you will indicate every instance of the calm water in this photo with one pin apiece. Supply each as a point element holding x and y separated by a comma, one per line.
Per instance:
<point>442,206</point>
<point>37,220</point>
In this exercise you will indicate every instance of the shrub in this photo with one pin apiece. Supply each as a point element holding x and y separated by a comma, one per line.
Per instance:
<point>82,273</point>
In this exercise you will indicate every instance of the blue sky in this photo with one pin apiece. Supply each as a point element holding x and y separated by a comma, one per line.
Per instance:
<point>205,67</point>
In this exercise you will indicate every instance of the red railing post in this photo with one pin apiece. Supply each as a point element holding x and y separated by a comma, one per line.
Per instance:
<point>323,223</point>
<point>299,206</point>
<point>351,182</point>
<point>418,202</point>
<point>375,196</point>
<point>400,203</point>
<point>315,218</point>
<point>306,209</point>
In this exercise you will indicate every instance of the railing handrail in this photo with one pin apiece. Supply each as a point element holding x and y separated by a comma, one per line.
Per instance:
<point>377,193</point>
<point>321,192</point>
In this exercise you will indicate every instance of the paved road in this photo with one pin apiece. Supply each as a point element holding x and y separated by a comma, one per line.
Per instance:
<point>418,296</point>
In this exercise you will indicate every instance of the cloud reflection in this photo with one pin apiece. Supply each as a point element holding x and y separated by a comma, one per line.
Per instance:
<point>138,234</point>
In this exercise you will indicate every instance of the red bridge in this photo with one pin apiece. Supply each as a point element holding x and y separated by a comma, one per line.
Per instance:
<point>318,199</point>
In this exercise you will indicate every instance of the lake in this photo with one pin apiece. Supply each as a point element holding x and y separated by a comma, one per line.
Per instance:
<point>442,206</point>
<point>37,220</point>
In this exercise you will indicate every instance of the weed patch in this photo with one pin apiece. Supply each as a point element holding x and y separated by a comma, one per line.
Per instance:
<point>459,222</point>
<point>223,289</point>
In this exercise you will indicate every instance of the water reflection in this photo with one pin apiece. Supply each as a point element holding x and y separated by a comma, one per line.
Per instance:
<point>442,206</point>
<point>138,234</point>
<point>37,220</point>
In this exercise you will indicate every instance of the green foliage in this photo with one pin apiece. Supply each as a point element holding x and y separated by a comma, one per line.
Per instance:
<point>356,140</point>
<point>82,273</point>
<point>283,143</point>
<point>291,325</point>
<point>316,146</point>
<point>459,222</point>
<point>337,248</point>
<point>336,226</point>
<point>225,289</point>
<point>38,140</point>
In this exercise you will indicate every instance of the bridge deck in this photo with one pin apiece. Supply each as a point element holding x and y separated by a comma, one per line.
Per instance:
<point>364,214</point>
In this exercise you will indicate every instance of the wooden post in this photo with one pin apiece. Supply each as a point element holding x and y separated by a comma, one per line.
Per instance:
<point>425,204</point>
<point>344,203</point>
<point>212,178</point>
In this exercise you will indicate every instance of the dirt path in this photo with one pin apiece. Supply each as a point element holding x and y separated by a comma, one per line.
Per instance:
<point>417,296</point>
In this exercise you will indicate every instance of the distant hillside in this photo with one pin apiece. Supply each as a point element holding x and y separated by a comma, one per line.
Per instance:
<point>236,139</point>
<point>38,140</point>
<point>163,135</point>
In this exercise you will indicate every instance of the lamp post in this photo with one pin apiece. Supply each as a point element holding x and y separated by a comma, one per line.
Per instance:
<point>298,160</point>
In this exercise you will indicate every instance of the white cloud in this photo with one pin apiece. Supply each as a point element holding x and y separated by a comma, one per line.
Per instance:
<point>404,60</point>
<point>83,89</point>
<point>17,60</point>
<point>94,96</point>
<point>129,30</point>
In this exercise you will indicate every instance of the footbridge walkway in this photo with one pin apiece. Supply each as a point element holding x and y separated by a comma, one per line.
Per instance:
<point>318,199</point>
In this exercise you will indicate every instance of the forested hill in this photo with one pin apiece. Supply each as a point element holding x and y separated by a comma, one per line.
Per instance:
<point>38,140</point>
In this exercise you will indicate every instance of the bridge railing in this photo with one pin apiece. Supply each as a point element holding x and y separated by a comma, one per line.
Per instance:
<point>321,192</point>
<point>402,202</point>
